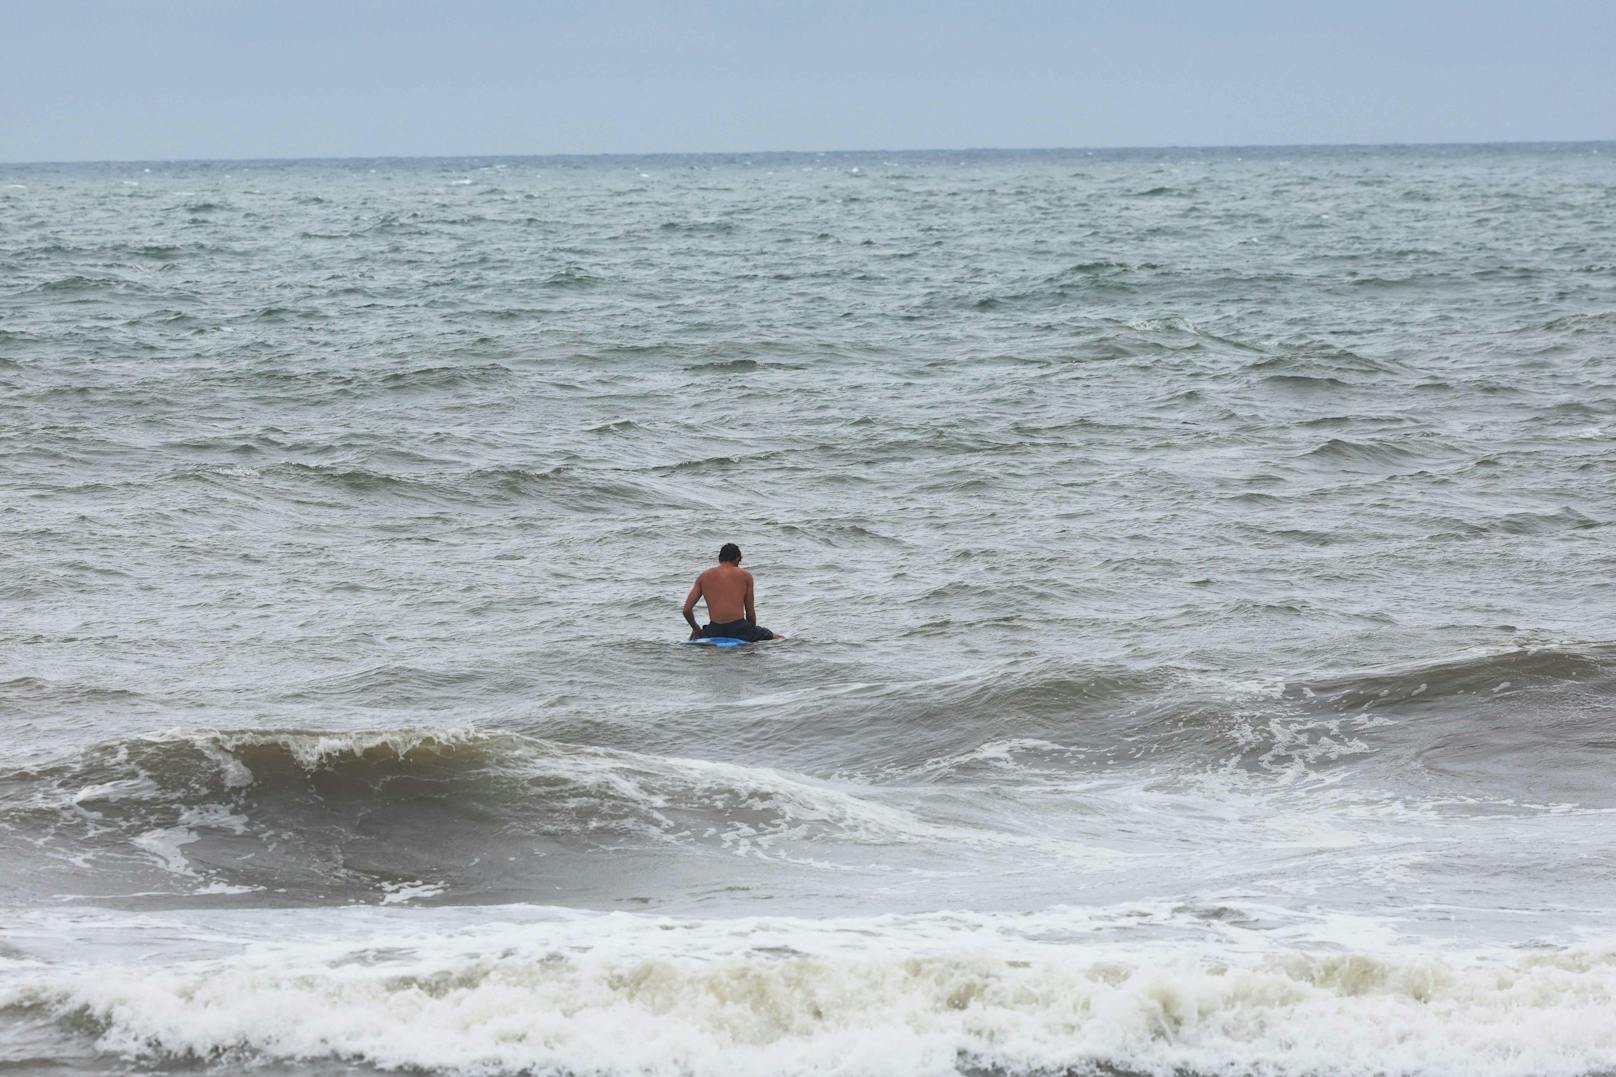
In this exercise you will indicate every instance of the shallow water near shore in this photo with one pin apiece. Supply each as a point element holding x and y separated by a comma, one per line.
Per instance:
<point>1197,565</point>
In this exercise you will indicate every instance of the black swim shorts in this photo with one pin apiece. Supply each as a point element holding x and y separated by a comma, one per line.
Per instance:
<point>738,630</point>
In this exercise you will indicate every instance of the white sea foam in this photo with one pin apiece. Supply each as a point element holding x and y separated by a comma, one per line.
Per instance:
<point>139,787</point>
<point>403,893</point>
<point>891,996</point>
<point>167,844</point>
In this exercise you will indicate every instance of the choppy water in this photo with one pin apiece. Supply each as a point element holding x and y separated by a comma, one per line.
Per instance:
<point>1198,566</point>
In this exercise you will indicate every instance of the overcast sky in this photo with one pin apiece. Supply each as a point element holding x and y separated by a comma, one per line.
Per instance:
<point>178,79</point>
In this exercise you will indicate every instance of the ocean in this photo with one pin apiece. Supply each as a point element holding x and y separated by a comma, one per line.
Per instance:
<point>1197,566</point>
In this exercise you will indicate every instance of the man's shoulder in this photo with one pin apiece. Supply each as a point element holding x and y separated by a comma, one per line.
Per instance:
<point>720,570</point>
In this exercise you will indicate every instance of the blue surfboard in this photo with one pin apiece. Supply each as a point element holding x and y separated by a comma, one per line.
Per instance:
<point>720,641</point>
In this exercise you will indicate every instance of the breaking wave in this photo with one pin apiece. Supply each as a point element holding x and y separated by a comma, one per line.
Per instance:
<point>313,816</point>
<point>915,996</point>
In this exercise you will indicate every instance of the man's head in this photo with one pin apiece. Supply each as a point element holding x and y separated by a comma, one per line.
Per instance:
<point>730,552</point>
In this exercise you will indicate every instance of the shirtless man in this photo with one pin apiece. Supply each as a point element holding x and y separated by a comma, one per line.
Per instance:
<point>728,590</point>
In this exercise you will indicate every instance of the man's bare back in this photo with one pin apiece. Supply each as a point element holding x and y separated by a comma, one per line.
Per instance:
<point>728,588</point>
<point>728,591</point>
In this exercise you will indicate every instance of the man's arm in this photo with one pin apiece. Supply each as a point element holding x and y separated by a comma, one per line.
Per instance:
<point>751,614</point>
<point>690,606</point>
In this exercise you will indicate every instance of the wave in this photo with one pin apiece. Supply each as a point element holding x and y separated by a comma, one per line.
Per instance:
<point>345,479</point>
<point>278,313</point>
<point>1151,338</point>
<point>80,284</point>
<point>1081,279</point>
<point>1485,724</point>
<point>168,252</point>
<point>1305,383</point>
<point>477,815</point>
<point>1389,282</point>
<point>1597,323</point>
<point>1482,673</point>
<point>442,377</point>
<point>309,814</point>
<point>1522,726</point>
<point>945,994</point>
<point>1310,356</point>
<point>570,277</point>
<point>700,228</point>
<point>1544,523</point>
<point>1381,453</point>
<point>385,224</point>
<point>585,490</point>
<point>311,383</point>
<point>1526,709</point>
<point>725,366</point>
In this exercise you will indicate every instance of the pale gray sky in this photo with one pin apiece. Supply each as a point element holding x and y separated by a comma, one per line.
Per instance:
<point>166,79</point>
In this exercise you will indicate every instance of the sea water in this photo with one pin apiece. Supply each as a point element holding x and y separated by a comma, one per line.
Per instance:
<point>1198,568</point>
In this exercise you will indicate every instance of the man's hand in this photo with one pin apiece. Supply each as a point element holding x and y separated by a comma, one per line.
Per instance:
<point>690,609</point>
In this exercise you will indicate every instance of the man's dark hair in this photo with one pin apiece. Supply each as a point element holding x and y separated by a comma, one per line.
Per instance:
<point>730,552</point>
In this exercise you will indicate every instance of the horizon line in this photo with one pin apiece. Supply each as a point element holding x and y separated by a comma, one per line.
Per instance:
<point>642,154</point>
